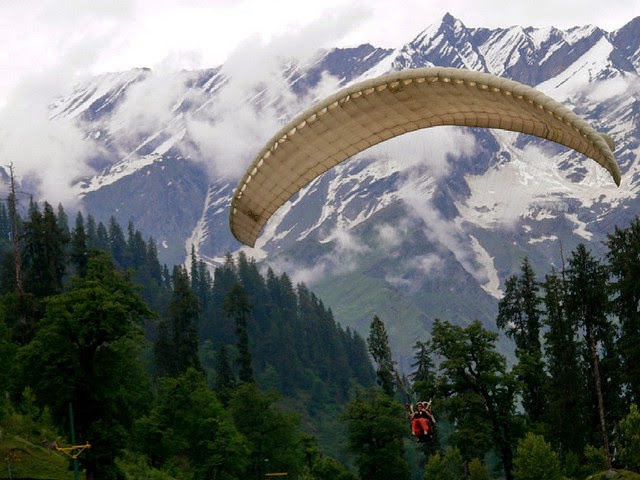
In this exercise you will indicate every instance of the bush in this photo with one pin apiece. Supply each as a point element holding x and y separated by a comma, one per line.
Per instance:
<point>445,467</point>
<point>535,460</point>
<point>630,440</point>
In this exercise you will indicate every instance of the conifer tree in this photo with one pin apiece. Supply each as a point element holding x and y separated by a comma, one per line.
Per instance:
<point>566,418</point>
<point>63,221</point>
<point>624,264</point>
<point>379,348</point>
<point>44,251</point>
<point>225,380</point>
<point>238,307</point>
<point>176,349</point>
<point>424,375</point>
<point>118,244</point>
<point>102,238</point>
<point>519,314</point>
<point>136,248</point>
<point>588,306</point>
<point>79,249</point>
<point>92,232</point>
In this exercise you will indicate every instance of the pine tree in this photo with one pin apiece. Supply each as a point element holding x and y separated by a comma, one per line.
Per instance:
<point>238,307</point>
<point>588,306</point>
<point>624,264</point>
<point>379,348</point>
<point>519,314</point>
<point>566,418</point>
<point>176,349</point>
<point>44,252</point>
<point>225,380</point>
<point>424,375</point>
<point>118,244</point>
<point>102,238</point>
<point>79,250</point>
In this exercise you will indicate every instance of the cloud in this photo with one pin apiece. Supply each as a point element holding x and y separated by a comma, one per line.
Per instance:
<point>430,149</point>
<point>416,267</point>
<point>431,152</point>
<point>342,260</point>
<point>257,100</point>
<point>151,106</point>
<point>51,155</point>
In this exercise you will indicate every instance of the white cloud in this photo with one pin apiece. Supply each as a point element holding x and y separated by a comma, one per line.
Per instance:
<point>342,260</point>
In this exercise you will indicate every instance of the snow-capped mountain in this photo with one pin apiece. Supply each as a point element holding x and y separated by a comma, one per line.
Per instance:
<point>428,225</point>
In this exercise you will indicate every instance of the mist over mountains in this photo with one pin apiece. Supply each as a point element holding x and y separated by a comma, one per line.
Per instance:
<point>424,226</point>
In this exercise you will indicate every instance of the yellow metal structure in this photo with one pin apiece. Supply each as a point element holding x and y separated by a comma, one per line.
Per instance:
<point>73,451</point>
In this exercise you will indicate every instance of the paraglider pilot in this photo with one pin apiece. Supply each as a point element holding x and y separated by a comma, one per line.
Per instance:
<point>422,421</point>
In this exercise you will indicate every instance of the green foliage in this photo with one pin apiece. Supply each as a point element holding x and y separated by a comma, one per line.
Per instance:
<point>567,391</point>
<point>478,392</point>
<point>276,442</point>
<point>519,314</point>
<point>446,466</point>
<point>377,426</point>
<point>535,460</point>
<point>379,348</point>
<point>176,347</point>
<point>595,460</point>
<point>237,306</point>
<point>624,264</point>
<point>188,422</point>
<point>630,439</point>
<point>87,338</point>
<point>477,470</point>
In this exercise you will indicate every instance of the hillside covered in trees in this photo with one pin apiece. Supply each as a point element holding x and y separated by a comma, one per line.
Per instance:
<point>188,373</point>
<point>568,405</point>
<point>206,374</point>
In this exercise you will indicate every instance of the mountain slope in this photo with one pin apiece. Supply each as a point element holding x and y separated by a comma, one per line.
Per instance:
<point>425,226</point>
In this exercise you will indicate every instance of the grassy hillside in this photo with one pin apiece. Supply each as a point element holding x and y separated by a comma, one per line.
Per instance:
<point>24,459</point>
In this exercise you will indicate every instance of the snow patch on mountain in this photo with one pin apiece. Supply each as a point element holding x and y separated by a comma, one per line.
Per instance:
<point>131,164</point>
<point>492,284</point>
<point>586,69</point>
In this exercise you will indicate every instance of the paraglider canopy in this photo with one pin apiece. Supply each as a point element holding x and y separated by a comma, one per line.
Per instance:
<point>370,112</point>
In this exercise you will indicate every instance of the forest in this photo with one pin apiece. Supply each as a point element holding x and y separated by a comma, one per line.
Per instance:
<point>187,372</point>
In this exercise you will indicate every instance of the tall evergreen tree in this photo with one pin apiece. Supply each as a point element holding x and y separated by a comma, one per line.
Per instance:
<point>624,264</point>
<point>588,306</point>
<point>424,374</point>
<point>519,313</point>
<point>44,252</point>
<point>378,342</point>
<point>225,380</point>
<point>118,244</point>
<point>176,348</point>
<point>102,238</point>
<point>79,249</point>
<point>566,419</point>
<point>238,307</point>
<point>63,221</point>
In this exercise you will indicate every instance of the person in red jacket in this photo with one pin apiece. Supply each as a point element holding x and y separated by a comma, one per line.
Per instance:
<point>421,420</point>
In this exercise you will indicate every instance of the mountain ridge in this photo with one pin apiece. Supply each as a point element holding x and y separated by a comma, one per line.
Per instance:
<point>403,218</point>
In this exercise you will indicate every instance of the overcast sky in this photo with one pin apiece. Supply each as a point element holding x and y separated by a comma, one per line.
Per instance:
<point>69,38</point>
